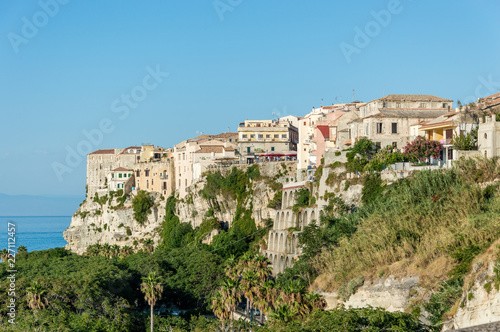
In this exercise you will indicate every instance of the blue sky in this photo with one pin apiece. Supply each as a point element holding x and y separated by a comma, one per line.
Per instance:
<point>227,61</point>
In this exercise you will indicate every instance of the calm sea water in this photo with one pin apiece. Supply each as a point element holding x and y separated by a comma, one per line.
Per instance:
<point>35,233</point>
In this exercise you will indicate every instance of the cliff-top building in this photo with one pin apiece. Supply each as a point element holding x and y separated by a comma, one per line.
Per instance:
<point>387,121</point>
<point>264,137</point>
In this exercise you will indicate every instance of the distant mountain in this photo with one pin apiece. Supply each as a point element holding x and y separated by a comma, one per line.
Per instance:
<point>25,205</point>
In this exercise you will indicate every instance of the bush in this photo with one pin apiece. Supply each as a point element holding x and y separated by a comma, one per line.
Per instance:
<point>467,141</point>
<point>421,149</point>
<point>360,154</point>
<point>142,204</point>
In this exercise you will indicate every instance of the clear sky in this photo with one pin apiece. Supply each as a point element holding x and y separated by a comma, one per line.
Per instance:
<point>72,66</point>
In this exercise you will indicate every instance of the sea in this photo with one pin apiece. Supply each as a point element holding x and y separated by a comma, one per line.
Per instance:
<point>35,233</point>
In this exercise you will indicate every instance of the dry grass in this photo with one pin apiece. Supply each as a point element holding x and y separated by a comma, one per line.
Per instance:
<point>412,231</point>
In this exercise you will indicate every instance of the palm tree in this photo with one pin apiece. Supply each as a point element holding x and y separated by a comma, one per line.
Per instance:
<point>34,296</point>
<point>4,255</point>
<point>231,291</point>
<point>22,250</point>
<point>115,249</point>
<point>148,245</point>
<point>219,307</point>
<point>152,289</point>
<point>284,313</point>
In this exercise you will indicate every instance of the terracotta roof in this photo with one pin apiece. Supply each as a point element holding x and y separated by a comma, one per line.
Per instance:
<point>210,149</point>
<point>229,149</point>
<point>413,113</point>
<point>438,124</point>
<point>496,95</point>
<point>104,151</point>
<point>131,147</point>
<point>121,169</point>
<point>413,98</point>
<point>226,135</point>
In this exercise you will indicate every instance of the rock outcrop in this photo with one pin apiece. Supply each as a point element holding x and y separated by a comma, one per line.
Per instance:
<point>95,223</point>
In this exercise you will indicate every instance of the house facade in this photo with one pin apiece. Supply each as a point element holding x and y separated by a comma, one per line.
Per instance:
<point>388,120</point>
<point>118,177</point>
<point>265,137</point>
<point>189,165</point>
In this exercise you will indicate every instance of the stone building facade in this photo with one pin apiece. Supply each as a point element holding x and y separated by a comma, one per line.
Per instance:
<point>267,136</point>
<point>388,120</point>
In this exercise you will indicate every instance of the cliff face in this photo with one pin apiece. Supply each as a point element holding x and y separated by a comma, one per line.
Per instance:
<point>194,207</point>
<point>105,224</point>
<point>95,223</point>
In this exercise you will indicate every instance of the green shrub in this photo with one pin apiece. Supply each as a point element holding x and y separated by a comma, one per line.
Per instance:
<point>142,204</point>
<point>275,203</point>
<point>129,231</point>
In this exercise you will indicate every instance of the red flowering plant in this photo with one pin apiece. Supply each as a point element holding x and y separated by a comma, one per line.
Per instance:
<point>421,149</point>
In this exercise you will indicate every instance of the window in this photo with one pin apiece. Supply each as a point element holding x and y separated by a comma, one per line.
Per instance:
<point>394,127</point>
<point>261,136</point>
<point>248,149</point>
<point>284,135</point>
<point>379,127</point>
<point>268,136</point>
<point>137,173</point>
<point>384,105</point>
<point>252,136</point>
<point>394,145</point>
<point>112,175</point>
<point>423,105</point>
<point>147,172</point>
<point>272,148</point>
<point>366,130</point>
<point>276,136</point>
<point>304,123</point>
<point>120,175</point>
<point>398,105</point>
<point>244,136</point>
<point>450,154</point>
<point>444,105</point>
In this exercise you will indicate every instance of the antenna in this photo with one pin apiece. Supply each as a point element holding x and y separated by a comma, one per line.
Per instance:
<point>352,100</point>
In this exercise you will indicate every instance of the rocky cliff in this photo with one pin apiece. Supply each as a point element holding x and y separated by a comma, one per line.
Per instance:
<point>105,223</point>
<point>108,222</point>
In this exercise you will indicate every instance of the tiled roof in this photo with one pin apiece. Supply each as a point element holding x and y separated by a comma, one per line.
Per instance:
<point>210,149</point>
<point>226,135</point>
<point>412,113</point>
<point>104,151</point>
<point>438,124</point>
<point>131,147</point>
<point>121,169</point>
<point>413,98</point>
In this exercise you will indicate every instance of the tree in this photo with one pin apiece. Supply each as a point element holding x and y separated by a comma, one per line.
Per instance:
<point>421,149</point>
<point>152,289</point>
<point>360,154</point>
<point>465,142</point>
<point>34,296</point>
<point>142,204</point>
<point>4,255</point>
